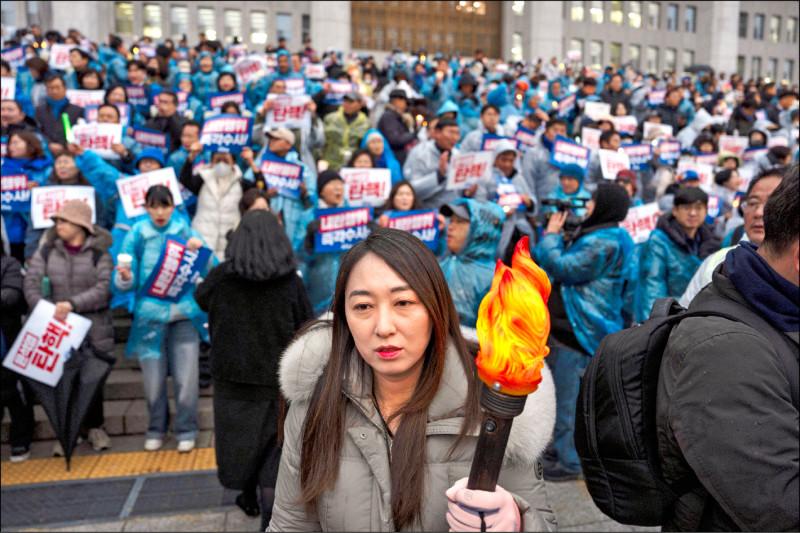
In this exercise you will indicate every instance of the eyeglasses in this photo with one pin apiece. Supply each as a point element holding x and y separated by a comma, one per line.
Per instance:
<point>752,204</point>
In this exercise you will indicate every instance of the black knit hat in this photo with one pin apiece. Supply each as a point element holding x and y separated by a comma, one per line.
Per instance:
<point>324,177</point>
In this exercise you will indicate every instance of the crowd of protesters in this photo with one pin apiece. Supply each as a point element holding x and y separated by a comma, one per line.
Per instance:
<point>410,114</point>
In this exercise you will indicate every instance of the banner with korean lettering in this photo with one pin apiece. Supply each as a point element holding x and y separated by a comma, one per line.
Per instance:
<point>137,97</point>
<point>248,70</point>
<point>639,155</point>
<point>526,139</point>
<point>733,143</point>
<point>778,140</point>
<point>176,270</point>
<point>99,138</point>
<point>366,186</point>
<point>15,57</point>
<point>566,152</point>
<point>708,159</point>
<point>295,86</point>
<point>420,223</point>
<point>90,113</point>
<point>337,90</point>
<point>611,162</point>
<point>59,56</point>
<point>590,137</point>
<point>237,50</point>
<point>640,221</point>
<point>650,127</point>
<point>9,88</point>
<point>566,105</point>
<point>467,168</point>
<point>593,110</point>
<point>215,100</point>
<point>226,133</point>
<point>704,172</point>
<point>281,174</point>
<point>15,193</point>
<point>46,201</point>
<point>750,154</point>
<point>315,71</point>
<point>288,112</point>
<point>668,152</point>
<point>151,139</point>
<point>44,343</point>
<point>626,125</point>
<point>340,228</point>
<point>132,190</point>
<point>656,97</point>
<point>489,141</point>
<point>713,209</point>
<point>83,98</point>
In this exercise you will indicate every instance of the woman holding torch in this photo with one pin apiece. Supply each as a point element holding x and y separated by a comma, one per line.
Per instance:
<point>386,405</point>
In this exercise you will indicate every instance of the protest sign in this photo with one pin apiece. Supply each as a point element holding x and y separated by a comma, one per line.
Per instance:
<point>15,57</point>
<point>146,51</point>
<point>340,228</point>
<point>151,138</point>
<point>489,141</point>
<point>656,97</point>
<point>501,68</point>
<point>422,224</point>
<point>709,159</point>
<point>713,208</point>
<point>176,270</point>
<point>46,201</point>
<point>248,70</point>
<point>746,173</point>
<point>574,55</point>
<point>15,193</point>
<point>566,105</point>
<point>668,151</point>
<point>566,152</point>
<point>639,155</point>
<point>366,186</point>
<point>132,190</point>
<point>733,143</point>
<point>640,221</point>
<point>237,50</point>
<point>284,176</point>
<point>777,140</point>
<point>215,100</point>
<point>526,139</point>
<point>226,133</point>
<point>704,171</point>
<point>626,125</point>
<point>761,114</point>
<point>137,97</point>
<point>295,86</point>
<point>750,154</point>
<point>467,168</point>
<point>593,110</point>
<point>544,85</point>
<point>315,71</point>
<point>336,91</point>
<point>99,138</point>
<point>507,195</point>
<point>59,56</point>
<point>651,127</point>
<point>82,98</point>
<point>44,343</point>
<point>590,137</point>
<point>9,88</point>
<point>611,162</point>
<point>288,112</point>
<point>183,99</point>
<point>90,113</point>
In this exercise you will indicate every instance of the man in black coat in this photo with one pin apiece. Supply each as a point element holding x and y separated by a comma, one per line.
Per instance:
<point>669,110</point>
<point>48,114</point>
<point>395,125</point>
<point>167,120</point>
<point>614,95</point>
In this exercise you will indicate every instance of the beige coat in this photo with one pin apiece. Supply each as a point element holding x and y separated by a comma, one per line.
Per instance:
<point>361,498</point>
<point>218,208</point>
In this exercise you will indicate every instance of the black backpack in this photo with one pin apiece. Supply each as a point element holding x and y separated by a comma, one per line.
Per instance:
<point>615,431</point>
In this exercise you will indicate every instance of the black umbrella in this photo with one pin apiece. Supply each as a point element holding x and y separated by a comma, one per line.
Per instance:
<point>698,68</point>
<point>66,403</point>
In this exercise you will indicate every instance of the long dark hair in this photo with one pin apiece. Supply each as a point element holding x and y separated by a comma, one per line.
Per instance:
<point>323,430</point>
<point>259,249</point>
<point>389,205</point>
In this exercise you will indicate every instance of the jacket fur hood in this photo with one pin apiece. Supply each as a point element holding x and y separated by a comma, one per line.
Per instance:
<point>101,240</point>
<point>306,357</point>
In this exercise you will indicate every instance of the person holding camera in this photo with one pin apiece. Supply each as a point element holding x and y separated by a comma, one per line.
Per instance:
<point>585,305</point>
<point>569,191</point>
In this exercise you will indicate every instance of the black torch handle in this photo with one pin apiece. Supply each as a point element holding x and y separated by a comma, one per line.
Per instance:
<point>489,452</point>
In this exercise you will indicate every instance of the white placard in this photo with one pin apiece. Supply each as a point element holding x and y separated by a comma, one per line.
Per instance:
<point>83,98</point>
<point>99,137</point>
<point>9,88</point>
<point>288,112</point>
<point>59,56</point>
<point>733,143</point>
<point>777,140</point>
<point>366,186</point>
<point>248,70</point>
<point>612,161</point>
<point>590,137</point>
<point>650,127</point>
<point>315,71</point>
<point>133,190</point>
<point>44,342</point>
<point>704,171</point>
<point>640,221</point>
<point>626,124</point>
<point>46,201</point>
<point>467,168</point>
<point>574,55</point>
<point>596,109</point>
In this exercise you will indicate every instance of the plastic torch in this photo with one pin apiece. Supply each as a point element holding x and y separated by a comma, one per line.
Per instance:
<point>513,325</point>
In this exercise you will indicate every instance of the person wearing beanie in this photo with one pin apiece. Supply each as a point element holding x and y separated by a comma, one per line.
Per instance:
<point>570,188</point>
<point>627,178</point>
<point>587,277</point>
<point>468,102</point>
<point>674,250</point>
<point>397,125</point>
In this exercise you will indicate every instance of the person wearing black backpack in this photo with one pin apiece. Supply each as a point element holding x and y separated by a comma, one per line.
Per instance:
<point>727,397</point>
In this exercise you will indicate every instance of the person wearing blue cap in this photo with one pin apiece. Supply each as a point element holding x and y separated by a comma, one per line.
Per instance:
<point>570,188</point>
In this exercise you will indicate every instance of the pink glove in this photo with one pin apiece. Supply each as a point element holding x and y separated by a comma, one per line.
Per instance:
<point>500,511</point>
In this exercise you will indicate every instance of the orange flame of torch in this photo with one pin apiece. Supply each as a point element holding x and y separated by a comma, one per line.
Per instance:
<point>513,325</point>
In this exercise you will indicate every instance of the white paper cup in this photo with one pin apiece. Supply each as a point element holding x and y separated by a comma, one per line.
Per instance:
<point>124,260</point>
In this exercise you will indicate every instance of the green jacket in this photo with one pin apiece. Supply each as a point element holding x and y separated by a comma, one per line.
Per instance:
<point>361,498</point>
<point>339,136</point>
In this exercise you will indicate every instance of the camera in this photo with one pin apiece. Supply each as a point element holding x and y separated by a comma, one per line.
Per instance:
<point>573,220</point>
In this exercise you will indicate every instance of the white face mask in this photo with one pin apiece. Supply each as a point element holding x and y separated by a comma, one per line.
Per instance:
<point>222,169</point>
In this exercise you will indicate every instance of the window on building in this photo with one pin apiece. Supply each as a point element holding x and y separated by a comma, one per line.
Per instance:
<point>615,54</point>
<point>408,38</point>
<point>691,15</point>
<point>8,12</point>
<point>740,66</point>
<point>596,12</point>
<point>688,59</point>
<point>635,14</point>
<point>774,29</point>
<point>596,55</point>
<point>206,22</point>
<point>576,44</point>
<point>306,27</point>
<point>362,35</point>
<point>516,46</point>
<point>394,37</point>
<point>791,30</point>
<point>32,10</point>
<point>518,8</point>
<point>743,25</point>
<point>758,27</point>
<point>670,57</point>
<point>672,17</point>
<point>788,70</point>
<point>151,17</point>
<point>634,55</point>
<point>652,59</point>
<point>233,24</point>
<point>123,17</point>
<point>772,68</point>
<point>653,16</point>
<point>258,27</point>
<point>576,11</point>
<point>283,26</point>
<point>615,16</point>
<point>378,37</point>
<point>755,69</point>
<point>178,22</point>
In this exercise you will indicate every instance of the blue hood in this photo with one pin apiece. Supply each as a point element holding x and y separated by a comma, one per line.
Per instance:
<point>485,226</point>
